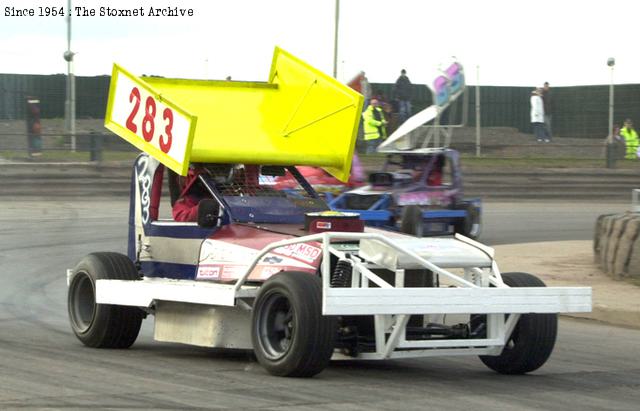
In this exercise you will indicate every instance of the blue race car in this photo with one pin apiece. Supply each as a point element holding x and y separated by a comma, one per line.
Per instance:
<point>418,192</point>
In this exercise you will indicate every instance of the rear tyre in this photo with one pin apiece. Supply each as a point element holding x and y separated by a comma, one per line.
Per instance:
<point>411,221</point>
<point>291,337</point>
<point>532,340</point>
<point>470,226</point>
<point>102,325</point>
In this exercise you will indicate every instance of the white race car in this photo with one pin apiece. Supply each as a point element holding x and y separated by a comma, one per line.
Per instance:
<point>277,272</point>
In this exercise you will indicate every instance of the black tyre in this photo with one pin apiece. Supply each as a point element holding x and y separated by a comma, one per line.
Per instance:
<point>102,325</point>
<point>411,221</point>
<point>470,226</point>
<point>533,338</point>
<point>290,336</point>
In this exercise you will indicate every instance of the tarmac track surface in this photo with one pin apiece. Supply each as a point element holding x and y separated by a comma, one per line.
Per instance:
<point>43,366</point>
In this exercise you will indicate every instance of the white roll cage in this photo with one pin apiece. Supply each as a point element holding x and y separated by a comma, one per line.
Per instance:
<point>480,290</point>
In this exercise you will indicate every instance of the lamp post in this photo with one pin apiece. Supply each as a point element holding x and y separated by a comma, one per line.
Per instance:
<point>478,111</point>
<point>70,102</point>
<point>335,40</point>
<point>611,160</point>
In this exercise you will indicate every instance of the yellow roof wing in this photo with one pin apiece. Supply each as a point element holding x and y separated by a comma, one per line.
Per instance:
<point>300,117</point>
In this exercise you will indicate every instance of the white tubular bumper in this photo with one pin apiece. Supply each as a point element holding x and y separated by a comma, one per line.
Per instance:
<point>364,301</point>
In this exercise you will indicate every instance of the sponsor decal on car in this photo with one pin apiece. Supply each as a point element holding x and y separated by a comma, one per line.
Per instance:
<point>267,272</point>
<point>271,259</point>
<point>220,251</point>
<point>233,271</point>
<point>417,198</point>
<point>208,272</point>
<point>144,184</point>
<point>304,252</point>
<point>439,198</point>
<point>323,225</point>
<point>223,261</point>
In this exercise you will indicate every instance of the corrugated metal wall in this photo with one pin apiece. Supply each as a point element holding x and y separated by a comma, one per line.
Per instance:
<point>580,111</point>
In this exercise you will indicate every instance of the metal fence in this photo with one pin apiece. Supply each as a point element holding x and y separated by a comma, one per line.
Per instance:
<point>578,112</point>
<point>15,89</point>
<point>580,117</point>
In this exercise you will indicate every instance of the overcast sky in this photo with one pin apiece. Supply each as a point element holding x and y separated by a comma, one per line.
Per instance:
<point>519,43</point>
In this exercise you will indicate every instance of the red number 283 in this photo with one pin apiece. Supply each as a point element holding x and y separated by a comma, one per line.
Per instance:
<point>148,121</point>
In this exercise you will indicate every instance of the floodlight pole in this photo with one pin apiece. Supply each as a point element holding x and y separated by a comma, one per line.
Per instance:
<point>70,102</point>
<point>335,40</point>
<point>478,111</point>
<point>611,62</point>
<point>611,101</point>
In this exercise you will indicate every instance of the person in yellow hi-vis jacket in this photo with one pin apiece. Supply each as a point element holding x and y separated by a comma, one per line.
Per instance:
<point>630,139</point>
<point>374,125</point>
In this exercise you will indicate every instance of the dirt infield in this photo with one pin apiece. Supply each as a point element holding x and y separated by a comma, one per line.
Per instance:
<point>570,264</point>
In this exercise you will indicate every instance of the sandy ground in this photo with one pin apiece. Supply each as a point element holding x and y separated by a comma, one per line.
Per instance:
<point>571,263</point>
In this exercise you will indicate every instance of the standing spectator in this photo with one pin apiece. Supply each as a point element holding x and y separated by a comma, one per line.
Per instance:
<point>402,94</point>
<point>548,109</point>
<point>615,142</point>
<point>365,90</point>
<point>374,126</point>
<point>537,115</point>
<point>34,128</point>
<point>392,120</point>
<point>630,139</point>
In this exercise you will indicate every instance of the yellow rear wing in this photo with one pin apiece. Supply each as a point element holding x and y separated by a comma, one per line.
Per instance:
<point>301,116</point>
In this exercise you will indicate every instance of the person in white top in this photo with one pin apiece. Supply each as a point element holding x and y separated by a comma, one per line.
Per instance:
<point>537,116</point>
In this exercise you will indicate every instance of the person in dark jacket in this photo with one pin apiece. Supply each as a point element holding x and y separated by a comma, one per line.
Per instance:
<point>402,94</point>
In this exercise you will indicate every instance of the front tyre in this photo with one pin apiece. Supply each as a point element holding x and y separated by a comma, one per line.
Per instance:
<point>102,325</point>
<point>411,221</point>
<point>291,337</point>
<point>470,226</point>
<point>533,338</point>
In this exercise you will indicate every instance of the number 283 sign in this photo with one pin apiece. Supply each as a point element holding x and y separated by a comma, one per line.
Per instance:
<point>149,120</point>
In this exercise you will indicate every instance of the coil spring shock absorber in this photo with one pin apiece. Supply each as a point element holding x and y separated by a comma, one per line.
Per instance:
<point>341,276</point>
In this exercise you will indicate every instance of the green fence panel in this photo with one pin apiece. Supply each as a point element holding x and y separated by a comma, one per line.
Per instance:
<point>580,111</point>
